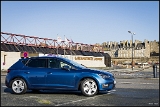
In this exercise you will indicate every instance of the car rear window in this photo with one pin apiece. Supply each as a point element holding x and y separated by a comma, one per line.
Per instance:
<point>25,61</point>
<point>37,63</point>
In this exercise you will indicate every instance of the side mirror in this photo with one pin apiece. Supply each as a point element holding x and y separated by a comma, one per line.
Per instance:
<point>65,67</point>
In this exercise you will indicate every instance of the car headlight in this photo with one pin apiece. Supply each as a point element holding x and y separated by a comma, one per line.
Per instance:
<point>104,76</point>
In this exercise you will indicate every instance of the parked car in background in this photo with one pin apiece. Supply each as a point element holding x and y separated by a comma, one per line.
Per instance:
<point>53,72</point>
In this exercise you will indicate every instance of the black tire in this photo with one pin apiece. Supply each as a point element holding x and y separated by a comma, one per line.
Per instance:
<point>18,86</point>
<point>89,87</point>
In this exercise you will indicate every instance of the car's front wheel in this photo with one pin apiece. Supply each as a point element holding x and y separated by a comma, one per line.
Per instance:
<point>89,87</point>
<point>19,86</point>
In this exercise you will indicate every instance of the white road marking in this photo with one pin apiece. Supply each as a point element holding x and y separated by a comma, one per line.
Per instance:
<point>125,82</point>
<point>78,100</point>
<point>31,97</point>
<point>113,90</point>
<point>146,83</point>
<point>4,86</point>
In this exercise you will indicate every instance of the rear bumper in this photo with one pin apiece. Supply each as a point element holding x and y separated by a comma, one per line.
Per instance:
<point>7,83</point>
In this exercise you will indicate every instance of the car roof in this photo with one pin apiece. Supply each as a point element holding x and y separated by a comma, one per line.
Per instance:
<point>48,57</point>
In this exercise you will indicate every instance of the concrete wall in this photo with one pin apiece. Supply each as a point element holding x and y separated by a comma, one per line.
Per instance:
<point>8,58</point>
<point>88,61</point>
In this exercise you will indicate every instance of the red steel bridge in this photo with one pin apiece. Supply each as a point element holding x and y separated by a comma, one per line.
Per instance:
<point>19,39</point>
<point>20,43</point>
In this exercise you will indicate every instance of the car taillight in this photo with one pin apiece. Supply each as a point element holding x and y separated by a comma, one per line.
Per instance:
<point>8,71</point>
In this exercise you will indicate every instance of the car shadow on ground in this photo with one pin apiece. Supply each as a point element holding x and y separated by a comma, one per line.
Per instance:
<point>78,93</point>
<point>60,92</point>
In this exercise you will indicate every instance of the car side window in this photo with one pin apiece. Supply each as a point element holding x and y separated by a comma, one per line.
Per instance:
<point>37,63</point>
<point>65,64</point>
<point>54,63</point>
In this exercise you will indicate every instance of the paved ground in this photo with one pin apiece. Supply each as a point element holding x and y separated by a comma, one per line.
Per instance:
<point>128,92</point>
<point>133,88</point>
<point>135,73</point>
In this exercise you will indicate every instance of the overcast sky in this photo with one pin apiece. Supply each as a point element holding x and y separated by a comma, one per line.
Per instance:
<point>86,22</point>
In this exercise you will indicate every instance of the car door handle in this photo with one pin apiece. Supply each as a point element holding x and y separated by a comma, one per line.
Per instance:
<point>27,72</point>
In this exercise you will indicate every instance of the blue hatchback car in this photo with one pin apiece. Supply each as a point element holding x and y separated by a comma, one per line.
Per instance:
<point>53,72</point>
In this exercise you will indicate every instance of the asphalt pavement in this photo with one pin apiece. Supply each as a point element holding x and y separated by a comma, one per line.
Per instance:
<point>135,87</point>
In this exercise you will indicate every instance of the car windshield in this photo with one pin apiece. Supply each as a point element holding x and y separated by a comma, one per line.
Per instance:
<point>75,63</point>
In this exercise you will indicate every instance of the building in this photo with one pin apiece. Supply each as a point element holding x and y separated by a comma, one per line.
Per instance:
<point>121,53</point>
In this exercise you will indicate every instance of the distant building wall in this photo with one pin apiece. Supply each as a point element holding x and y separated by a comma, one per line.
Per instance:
<point>154,46</point>
<point>124,49</point>
<point>122,53</point>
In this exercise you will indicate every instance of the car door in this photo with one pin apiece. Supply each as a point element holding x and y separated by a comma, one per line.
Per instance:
<point>36,72</point>
<point>58,77</point>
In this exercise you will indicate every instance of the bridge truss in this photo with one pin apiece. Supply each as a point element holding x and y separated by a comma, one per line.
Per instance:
<point>23,40</point>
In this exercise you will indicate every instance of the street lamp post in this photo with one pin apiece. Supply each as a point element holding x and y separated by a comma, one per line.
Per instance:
<point>132,46</point>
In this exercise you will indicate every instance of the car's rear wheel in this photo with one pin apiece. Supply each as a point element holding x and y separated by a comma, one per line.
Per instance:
<point>89,87</point>
<point>19,86</point>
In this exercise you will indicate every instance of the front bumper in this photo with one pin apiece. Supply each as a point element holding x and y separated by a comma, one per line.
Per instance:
<point>107,86</point>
